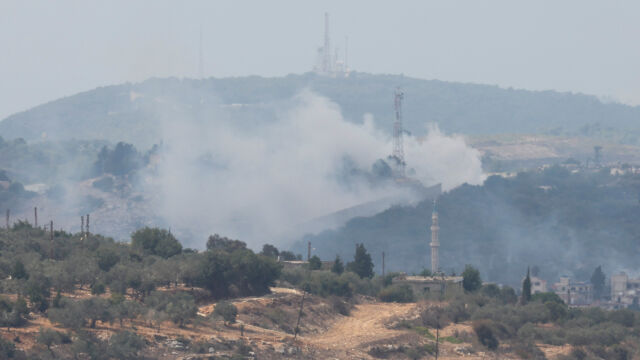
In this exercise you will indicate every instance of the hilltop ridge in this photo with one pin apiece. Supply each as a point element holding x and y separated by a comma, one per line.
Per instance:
<point>131,112</point>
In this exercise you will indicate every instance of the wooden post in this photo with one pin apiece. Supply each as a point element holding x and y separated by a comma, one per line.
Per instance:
<point>437,334</point>
<point>383,264</point>
<point>35,215</point>
<point>51,242</point>
<point>295,334</point>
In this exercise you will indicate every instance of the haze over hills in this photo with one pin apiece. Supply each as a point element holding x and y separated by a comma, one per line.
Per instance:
<point>132,112</point>
<point>232,149</point>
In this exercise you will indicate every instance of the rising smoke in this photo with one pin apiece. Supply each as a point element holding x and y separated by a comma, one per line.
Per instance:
<point>255,183</point>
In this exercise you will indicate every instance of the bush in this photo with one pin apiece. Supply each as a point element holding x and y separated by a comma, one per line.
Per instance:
<point>7,349</point>
<point>338,266</point>
<point>485,335</point>
<point>155,241</point>
<point>315,263</point>
<point>361,264</point>
<point>340,306</point>
<point>180,307</point>
<point>457,311</point>
<point>50,337</point>
<point>527,350</point>
<point>623,317</point>
<point>125,345</point>
<point>434,317</point>
<point>67,314</point>
<point>396,293</point>
<point>325,283</point>
<point>471,280</point>
<point>227,311</point>
<point>97,289</point>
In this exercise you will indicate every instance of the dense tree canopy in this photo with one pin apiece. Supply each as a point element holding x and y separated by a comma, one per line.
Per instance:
<point>361,264</point>
<point>156,241</point>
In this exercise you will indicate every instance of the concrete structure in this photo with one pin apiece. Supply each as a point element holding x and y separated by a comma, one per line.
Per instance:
<point>293,264</point>
<point>423,285</point>
<point>625,291</point>
<point>435,242</point>
<point>538,285</point>
<point>574,292</point>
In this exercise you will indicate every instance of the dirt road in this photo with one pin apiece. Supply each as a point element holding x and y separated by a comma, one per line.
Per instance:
<point>365,324</point>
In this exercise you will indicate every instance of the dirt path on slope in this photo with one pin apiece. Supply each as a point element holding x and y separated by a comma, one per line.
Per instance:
<point>365,324</point>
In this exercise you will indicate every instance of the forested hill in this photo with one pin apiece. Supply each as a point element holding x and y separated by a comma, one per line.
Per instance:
<point>131,112</point>
<point>563,223</point>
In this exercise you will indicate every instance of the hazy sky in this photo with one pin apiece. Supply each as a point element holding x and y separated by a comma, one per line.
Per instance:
<point>57,48</point>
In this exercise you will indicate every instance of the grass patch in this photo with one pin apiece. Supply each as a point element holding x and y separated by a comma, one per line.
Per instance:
<point>424,332</point>
<point>451,339</point>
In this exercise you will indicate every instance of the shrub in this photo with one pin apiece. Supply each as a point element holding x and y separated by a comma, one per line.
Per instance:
<point>623,317</point>
<point>315,263</point>
<point>434,317</point>
<point>7,349</point>
<point>50,337</point>
<point>527,350</point>
<point>227,311</point>
<point>217,242</point>
<point>361,264</point>
<point>325,283</point>
<point>338,266</point>
<point>340,306</point>
<point>125,345</point>
<point>67,314</point>
<point>396,293</point>
<point>97,289</point>
<point>457,311</point>
<point>156,241</point>
<point>485,335</point>
<point>471,280</point>
<point>179,307</point>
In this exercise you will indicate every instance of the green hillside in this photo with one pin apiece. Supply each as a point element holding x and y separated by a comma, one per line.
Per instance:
<point>563,223</point>
<point>131,112</point>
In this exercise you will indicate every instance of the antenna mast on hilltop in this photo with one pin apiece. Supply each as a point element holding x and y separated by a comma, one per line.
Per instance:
<point>200,62</point>
<point>326,49</point>
<point>398,148</point>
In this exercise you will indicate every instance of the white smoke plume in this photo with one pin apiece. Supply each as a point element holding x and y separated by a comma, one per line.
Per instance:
<point>217,176</point>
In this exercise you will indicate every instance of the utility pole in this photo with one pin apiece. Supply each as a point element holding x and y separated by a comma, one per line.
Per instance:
<point>297,329</point>
<point>8,213</point>
<point>437,334</point>
<point>308,251</point>
<point>87,224</point>
<point>82,226</point>
<point>35,215</point>
<point>383,264</point>
<point>51,242</point>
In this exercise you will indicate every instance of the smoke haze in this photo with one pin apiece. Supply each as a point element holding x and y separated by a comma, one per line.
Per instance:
<point>256,183</point>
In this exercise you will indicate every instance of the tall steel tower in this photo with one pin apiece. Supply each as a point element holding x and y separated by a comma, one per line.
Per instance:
<point>398,147</point>
<point>327,63</point>
<point>200,61</point>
